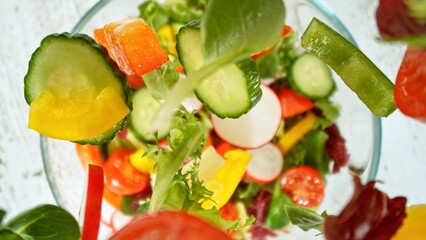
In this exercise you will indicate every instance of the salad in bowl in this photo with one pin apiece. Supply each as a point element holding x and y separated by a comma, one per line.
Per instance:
<point>229,111</point>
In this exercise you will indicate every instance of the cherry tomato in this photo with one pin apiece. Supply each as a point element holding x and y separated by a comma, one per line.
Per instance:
<point>410,84</point>
<point>169,225</point>
<point>89,154</point>
<point>304,185</point>
<point>228,211</point>
<point>121,177</point>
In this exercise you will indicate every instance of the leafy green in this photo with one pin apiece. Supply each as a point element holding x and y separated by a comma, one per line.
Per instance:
<point>186,193</point>
<point>316,155</point>
<point>161,80</point>
<point>2,214</point>
<point>42,222</point>
<point>330,112</point>
<point>153,13</point>
<point>184,11</point>
<point>230,31</point>
<point>304,218</point>
<point>233,30</point>
<point>295,156</point>
<point>185,139</point>
<point>7,234</point>
<point>276,217</point>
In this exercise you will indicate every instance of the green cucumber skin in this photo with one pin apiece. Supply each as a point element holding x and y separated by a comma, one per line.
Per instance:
<point>246,67</point>
<point>354,67</point>
<point>31,92</point>
<point>249,68</point>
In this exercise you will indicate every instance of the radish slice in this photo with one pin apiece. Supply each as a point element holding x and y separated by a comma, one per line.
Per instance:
<point>90,210</point>
<point>254,129</point>
<point>265,165</point>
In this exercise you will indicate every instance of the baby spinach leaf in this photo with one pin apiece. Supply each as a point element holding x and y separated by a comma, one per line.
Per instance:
<point>233,30</point>
<point>6,234</point>
<point>44,222</point>
<point>304,218</point>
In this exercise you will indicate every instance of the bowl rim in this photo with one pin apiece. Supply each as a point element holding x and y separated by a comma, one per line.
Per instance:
<point>323,7</point>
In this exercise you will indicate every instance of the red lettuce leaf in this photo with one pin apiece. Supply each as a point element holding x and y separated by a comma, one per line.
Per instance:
<point>259,209</point>
<point>336,148</point>
<point>370,215</point>
<point>395,22</point>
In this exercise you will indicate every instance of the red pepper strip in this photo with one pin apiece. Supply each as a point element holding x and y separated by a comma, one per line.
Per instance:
<point>286,31</point>
<point>90,211</point>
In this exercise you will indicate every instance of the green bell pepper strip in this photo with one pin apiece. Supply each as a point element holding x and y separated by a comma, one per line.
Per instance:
<point>357,71</point>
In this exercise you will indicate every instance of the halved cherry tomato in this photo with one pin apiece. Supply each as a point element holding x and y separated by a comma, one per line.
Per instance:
<point>410,84</point>
<point>228,211</point>
<point>169,225</point>
<point>304,185</point>
<point>121,177</point>
<point>293,103</point>
<point>89,154</point>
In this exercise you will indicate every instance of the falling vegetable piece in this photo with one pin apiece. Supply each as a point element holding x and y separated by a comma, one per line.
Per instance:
<point>296,132</point>
<point>254,129</point>
<point>133,45</point>
<point>356,70</point>
<point>413,227</point>
<point>89,154</point>
<point>90,211</point>
<point>410,84</point>
<point>169,225</point>
<point>402,20</point>
<point>226,179</point>
<point>67,98</point>
<point>293,103</point>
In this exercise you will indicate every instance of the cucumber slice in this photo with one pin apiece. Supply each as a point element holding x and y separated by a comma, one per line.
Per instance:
<point>311,77</point>
<point>352,65</point>
<point>231,91</point>
<point>75,68</point>
<point>144,111</point>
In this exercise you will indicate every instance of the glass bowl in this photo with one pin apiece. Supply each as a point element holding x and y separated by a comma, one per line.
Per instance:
<point>358,126</point>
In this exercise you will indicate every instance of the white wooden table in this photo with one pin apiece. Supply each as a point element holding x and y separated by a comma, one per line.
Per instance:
<point>23,23</point>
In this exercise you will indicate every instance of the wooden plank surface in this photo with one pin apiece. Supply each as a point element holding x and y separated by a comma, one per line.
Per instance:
<point>23,23</point>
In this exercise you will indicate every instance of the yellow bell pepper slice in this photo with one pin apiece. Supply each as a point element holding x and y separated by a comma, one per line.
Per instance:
<point>295,133</point>
<point>142,163</point>
<point>226,179</point>
<point>74,118</point>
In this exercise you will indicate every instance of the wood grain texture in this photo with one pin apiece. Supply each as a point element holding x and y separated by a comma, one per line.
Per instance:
<point>23,23</point>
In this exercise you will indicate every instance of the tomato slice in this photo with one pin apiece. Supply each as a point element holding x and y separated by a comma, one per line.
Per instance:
<point>169,225</point>
<point>410,84</point>
<point>89,154</point>
<point>121,177</point>
<point>304,185</point>
<point>92,203</point>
